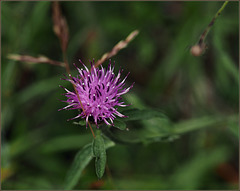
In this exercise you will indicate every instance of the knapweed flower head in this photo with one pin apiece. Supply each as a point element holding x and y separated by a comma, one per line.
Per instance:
<point>98,92</point>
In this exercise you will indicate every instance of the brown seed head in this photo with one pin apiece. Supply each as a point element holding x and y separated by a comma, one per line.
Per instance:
<point>196,50</point>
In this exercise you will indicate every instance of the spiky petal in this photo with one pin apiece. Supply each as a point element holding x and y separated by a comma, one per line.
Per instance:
<point>99,91</point>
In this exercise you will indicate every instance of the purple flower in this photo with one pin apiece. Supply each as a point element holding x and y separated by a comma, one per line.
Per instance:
<point>99,91</point>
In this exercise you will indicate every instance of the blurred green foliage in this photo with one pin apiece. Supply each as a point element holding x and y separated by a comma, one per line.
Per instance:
<point>38,144</point>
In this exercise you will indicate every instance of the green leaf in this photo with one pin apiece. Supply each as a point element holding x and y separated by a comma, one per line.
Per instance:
<point>135,100</point>
<point>81,123</point>
<point>136,114</point>
<point>234,128</point>
<point>191,174</point>
<point>38,89</point>
<point>26,142</point>
<point>99,152</point>
<point>98,146</point>
<point>35,22</point>
<point>100,164</point>
<point>81,160</point>
<point>119,124</point>
<point>64,143</point>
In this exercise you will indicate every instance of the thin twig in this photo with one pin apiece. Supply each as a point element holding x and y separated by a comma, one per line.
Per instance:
<point>122,44</point>
<point>60,26</point>
<point>205,32</point>
<point>31,59</point>
<point>200,47</point>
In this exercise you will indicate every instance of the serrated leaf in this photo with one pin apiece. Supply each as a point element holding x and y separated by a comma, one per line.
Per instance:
<point>99,152</point>
<point>119,124</point>
<point>136,114</point>
<point>81,160</point>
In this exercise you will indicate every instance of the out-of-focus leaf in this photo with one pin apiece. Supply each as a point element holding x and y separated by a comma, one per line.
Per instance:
<point>147,50</point>
<point>136,114</point>
<point>68,142</point>
<point>4,154</point>
<point>203,122</point>
<point>191,174</point>
<point>143,182</point>
<point>99,153</point>
<point>77,40</point>
<point>234,128</point>
<point>7,114</point>
<point>8,75</point>
<point>158,126</point>
<point>25,142</point>
<point>225,61</point>
<point>7,169</point>
<point>135,100</point>
<point>119,124</point>
<point>81,160</point>
<point>38,182</point>
<point>37,90</point>
<point>34,23</point>
<point>226,69</point>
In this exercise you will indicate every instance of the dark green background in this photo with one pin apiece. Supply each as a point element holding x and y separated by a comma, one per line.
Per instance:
<point>38,144</point>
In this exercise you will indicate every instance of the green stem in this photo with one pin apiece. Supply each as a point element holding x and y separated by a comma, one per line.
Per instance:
<point>204,34</point>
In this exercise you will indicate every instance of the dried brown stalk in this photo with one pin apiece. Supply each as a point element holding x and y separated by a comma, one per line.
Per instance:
<point>122,44</point>
<point>30,59</point>
<point>60,26</point>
